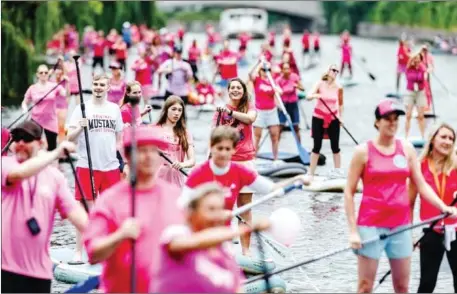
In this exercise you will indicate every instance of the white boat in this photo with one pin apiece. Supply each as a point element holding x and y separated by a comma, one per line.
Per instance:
<point>251,20</point>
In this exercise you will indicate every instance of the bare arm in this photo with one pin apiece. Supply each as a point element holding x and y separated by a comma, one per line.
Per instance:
<point>190,162</point>
<point>104,247</point>
<point>205,239</point>
<point>285,183</point>
<point>418,180</point>
<point>247,118</point>
<point>340,102</point>
<point>78,218</point>
<point>355,172</point>
<point>314,94</point>
<point>253,73</point>
<point>300,86</point>
<point>74,132</point>
<point>412,192</point>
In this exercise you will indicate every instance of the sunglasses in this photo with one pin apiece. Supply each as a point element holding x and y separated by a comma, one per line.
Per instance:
<point>43,72</point>
<point>334,70</point>
<point>23,136</point>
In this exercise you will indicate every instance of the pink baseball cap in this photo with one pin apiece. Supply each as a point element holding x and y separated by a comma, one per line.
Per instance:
<point>388,106</point>
<point>145,135</point>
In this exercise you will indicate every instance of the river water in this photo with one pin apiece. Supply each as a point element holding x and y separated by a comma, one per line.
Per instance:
<point>322,214</point>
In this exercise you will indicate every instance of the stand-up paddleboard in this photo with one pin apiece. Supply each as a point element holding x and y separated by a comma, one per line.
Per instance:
<point>289,157</point>
<point>72,273</point>
<point>329,184</point>
<point>277,285</point>
<point>266,168</point>
<point>417,141</point>
<point>348,83</point>
<point>426,115</point>
<point>207,108</point>
<point>311,66</point>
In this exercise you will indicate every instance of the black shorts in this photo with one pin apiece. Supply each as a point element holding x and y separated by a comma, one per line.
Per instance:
<point>98,60</point>
<point>316,49</point>
<point>111,51</point>
<point>15,283</point>
<point>242,48</point>
<point>305,50</point>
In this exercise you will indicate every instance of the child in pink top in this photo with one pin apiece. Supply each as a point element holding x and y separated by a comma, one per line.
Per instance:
<point>205,92</point>
<point>45,112</point>
<point>172,121</point>
<point>108,238</point>
<point>265,102</point>
<point>143,74</point>
<point>117,84</point>
<point>32,189</point>
<point>209,266</point>
<point>232,175</point>
<point>385,165</point>
<point>194,54</point>
<point>329,94</point>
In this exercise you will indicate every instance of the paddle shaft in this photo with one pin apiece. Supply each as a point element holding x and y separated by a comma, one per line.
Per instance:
<point>372,77</point>
<point>344,127</point>
<point>86,131</point>
<point>454,202</point>
<point>78,183</point>
<point>36,103</point>
<point>133,180</point>
<point>377,238</point>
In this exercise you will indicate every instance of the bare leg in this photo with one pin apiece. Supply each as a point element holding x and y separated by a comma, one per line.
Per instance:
<point>400,274</point>
<point>79,244</point>
<point>274,134</point>
<point>243,199</point>
<point>257,135</point>
<point>336,160</point>
<point>398,81</point>
<point>421,120</point>
<point>297,131</point>
<point>409,110</point>
<point>367,268</point>
<point>313,163</point>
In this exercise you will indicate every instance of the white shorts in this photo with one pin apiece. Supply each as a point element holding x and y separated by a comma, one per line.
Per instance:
<point>266,118</point>
<point>416,98</point>
<point>250,165</point>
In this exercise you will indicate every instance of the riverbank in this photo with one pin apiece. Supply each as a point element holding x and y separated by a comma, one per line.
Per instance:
<point>370,30</point>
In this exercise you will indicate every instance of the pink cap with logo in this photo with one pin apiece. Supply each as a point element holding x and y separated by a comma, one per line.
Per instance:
<point>145,135</point>
<point>388,106</point>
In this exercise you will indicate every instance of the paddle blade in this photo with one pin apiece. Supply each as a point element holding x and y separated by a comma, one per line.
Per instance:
<point>85,286</point>
<point>372,76</point>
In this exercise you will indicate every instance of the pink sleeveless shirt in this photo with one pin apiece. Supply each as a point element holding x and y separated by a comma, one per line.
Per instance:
<point>330,97</point>
<point>385,202</point>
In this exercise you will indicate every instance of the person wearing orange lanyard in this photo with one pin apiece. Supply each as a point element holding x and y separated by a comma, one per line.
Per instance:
<point>439,167</point>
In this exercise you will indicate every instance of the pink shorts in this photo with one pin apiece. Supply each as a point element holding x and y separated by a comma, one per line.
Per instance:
<point>102,180</point>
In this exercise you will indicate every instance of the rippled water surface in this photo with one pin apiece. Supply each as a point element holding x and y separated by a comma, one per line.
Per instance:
<point>322,214</point>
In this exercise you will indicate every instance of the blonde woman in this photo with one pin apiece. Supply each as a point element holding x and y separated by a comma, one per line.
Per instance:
<point>439,167</point>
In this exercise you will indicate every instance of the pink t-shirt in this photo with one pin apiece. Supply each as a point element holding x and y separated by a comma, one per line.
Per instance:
<point>245,149</point>
<point>61,100</point>
<point>331,99</point>
<point>288,87</point>
<point>44,113</point>
<point>194,54</point>
<point>211,270</point>
<point>205,89</point>
<point>264,94</point>
<point>346,51</point>
<point>385,201</point>
<point>156,209</point>
<point>126,113</point>
<point>116,90</point>
<point>415,76</point>
<point>175,153</point>
<point>72,76</point>
<point>23,253</point>
<point>235,179</point>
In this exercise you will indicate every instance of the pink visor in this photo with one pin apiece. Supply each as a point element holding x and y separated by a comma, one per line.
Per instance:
<point>388,106</point>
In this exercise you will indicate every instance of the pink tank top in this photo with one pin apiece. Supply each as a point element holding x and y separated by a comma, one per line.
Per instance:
<point>385,201</point>
<point>330,97</point>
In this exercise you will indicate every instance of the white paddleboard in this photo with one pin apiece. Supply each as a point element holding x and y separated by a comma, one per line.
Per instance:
<point>327,184</point>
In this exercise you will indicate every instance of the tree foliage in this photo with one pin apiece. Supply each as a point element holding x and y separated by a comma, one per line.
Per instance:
<point>430,14</point>
<point>28,26</point>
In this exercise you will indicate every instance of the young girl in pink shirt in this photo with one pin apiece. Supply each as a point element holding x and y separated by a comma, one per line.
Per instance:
<point>180,143</point>
<point>200,250</point>
<point>133,93</point>
<point>117,84</point>
<point>44,113</point>
<point>385,165</point>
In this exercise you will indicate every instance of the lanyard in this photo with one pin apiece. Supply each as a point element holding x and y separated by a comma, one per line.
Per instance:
<point>441,188</point>
<point>32,191</point>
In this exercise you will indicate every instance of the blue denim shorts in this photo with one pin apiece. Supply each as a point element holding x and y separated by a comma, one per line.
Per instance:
<point>293,111</point>
<point>396,247</point>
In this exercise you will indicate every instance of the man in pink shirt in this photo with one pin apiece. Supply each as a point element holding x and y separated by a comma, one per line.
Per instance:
<point>32,191</point>
<point>108,239</point>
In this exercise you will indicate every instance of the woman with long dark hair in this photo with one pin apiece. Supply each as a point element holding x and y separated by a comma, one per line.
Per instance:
<point>240,113</point>
<point>180,142</point>
<point>133,93</point>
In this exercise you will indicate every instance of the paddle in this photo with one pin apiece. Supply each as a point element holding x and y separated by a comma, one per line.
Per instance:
<point>335,252</point>
<point>360,63</point>
<point>454,202</point>
<point>304,116</point>
<point>36,103</point>
<point>304,156</point>
<point>344,127</point>
<point>442,85</point>
<point>86,131</point>
<point>263,259</point>
<point>133,164</point>
<point>78,183</point>
<point>432,98</point>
